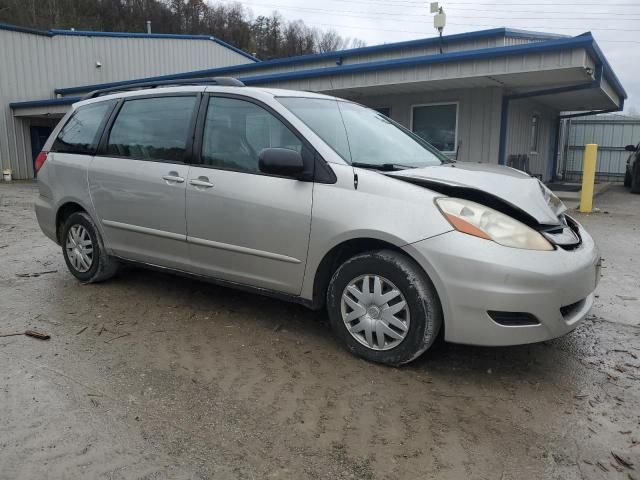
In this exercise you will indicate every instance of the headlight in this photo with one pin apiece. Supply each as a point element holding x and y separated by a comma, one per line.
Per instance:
<point>484,222</point>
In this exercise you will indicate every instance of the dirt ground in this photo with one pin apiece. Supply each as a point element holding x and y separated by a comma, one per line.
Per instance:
<point>154,376</point>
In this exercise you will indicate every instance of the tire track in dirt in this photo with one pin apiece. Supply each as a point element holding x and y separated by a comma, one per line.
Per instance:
<point>290,403</point>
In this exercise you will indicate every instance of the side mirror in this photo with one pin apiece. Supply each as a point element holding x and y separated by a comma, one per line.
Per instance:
<point>281,161</point>
<point>630,148</point>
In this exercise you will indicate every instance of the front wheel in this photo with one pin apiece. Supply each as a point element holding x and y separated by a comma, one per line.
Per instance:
<point>383,307</point>
<point>84,251</point>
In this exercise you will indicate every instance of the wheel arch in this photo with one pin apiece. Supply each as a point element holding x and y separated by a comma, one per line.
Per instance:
<point>65,211</point>
<point>339,253</point>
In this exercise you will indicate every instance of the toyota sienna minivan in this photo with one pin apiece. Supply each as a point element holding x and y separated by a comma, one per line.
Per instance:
<point>316,200</point>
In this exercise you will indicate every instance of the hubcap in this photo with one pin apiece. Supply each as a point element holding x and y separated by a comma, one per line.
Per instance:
<point>79,248</point>
<point>375,312</point>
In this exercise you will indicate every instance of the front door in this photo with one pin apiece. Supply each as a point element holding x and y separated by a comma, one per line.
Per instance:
<point>138,180</point>
<point>242,225</point>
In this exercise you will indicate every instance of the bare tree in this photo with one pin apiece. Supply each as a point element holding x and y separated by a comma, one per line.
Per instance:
<point>268,36</point>
<point>328,41</point>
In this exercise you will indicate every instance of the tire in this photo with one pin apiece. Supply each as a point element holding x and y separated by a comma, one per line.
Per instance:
<point>395,271</point>
<point>101,266</point>
<point>627,178</point>
<point>635,177</point>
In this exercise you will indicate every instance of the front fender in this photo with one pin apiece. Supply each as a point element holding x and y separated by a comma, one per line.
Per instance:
<point>380,208</point>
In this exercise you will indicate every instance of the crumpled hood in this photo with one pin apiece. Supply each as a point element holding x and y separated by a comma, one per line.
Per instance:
<point>516,188</point>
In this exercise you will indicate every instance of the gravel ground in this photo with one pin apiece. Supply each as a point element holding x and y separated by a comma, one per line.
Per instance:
<point>154,376</point>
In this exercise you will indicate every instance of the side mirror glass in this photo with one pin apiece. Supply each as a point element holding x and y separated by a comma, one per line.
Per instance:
<point>281,161</point>
<point>630,148</point>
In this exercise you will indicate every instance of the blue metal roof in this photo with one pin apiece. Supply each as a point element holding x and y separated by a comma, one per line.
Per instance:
<point>557,43</point>
<point>89,33</point>
<point>586,40</point>
<point>45,103</point>
<point>609,74</point>
<point>481,53</point>
<point>337,55</point>
<point>32,31</point>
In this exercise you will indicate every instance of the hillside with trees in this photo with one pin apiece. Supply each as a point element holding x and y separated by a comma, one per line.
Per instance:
<point>265,36</point>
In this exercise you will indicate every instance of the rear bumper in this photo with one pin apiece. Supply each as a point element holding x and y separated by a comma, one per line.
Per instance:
<point>475,276</point>
<point>46,215</point>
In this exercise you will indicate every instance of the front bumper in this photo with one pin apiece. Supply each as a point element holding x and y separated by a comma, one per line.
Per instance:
<point>474,276</point>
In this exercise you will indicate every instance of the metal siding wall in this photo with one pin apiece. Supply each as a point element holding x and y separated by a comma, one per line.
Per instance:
<point>611,134</point>
<point>126,58</point>
<point>497,41</point>
<point>519,134</point>
<point>34,65</point>
<point>449,71</point>
<point>509,41</point>
<point>478,117</point>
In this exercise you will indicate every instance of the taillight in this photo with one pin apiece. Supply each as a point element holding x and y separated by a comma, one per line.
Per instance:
<point>40,159</point>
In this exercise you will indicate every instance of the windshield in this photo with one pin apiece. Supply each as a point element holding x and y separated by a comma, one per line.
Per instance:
<point>363,136</point>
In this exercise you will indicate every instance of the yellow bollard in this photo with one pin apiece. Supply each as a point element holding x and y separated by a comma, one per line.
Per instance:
<point>588,177</point>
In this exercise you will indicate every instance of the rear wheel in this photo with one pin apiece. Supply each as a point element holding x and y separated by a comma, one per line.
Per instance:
<point>627,178</point>
<point>635,177</point>
<point>84,251</point>
<point>383,307</point>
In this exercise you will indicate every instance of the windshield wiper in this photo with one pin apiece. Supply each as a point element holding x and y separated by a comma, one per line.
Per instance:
<point>387,167</point>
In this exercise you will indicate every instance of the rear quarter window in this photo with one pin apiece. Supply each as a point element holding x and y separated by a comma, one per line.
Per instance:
<point>82,131</point>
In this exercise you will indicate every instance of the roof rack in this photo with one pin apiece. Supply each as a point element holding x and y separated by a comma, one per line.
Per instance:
<point>221,81</point>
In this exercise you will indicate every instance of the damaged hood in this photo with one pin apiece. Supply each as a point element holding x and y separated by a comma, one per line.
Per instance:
<point>518,190</point>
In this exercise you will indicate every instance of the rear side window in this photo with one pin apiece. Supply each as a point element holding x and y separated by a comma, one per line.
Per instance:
<point>81,133</point>
<point>235,132</point>
<point>152,128</point>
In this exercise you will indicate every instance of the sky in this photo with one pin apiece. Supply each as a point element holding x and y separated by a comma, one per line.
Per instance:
<point>615,24</point>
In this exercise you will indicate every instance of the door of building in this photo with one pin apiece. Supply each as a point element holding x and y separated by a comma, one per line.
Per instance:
<point>39,136</point>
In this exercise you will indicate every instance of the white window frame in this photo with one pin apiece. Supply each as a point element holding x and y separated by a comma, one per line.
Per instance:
<point>433,104</point>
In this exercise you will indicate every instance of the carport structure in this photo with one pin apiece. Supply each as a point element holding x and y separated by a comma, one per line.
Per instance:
<point>491,96</point>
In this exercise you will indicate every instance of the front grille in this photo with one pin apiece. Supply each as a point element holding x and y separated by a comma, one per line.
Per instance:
<point>566,235</point>
<point>513,319</point>
<point>570,310</point>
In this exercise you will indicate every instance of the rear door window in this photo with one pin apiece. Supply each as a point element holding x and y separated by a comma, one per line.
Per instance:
<point>81,133</point>
<point>152,128</point>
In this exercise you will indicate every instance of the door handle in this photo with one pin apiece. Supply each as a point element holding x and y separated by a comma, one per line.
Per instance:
<point>173,177</point>
<point>201,182</point>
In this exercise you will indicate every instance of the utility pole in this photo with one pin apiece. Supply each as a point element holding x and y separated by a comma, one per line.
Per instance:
<point>439,19</point>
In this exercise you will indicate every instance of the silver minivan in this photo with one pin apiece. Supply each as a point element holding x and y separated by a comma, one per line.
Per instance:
<point>320,201</point>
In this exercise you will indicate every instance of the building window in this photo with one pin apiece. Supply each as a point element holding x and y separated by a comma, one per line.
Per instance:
<point>535,125</point>
<point>437,123</point>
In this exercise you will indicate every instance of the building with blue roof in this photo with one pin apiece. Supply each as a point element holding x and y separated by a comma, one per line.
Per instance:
<point>33,63</point>
<point>494,96</point>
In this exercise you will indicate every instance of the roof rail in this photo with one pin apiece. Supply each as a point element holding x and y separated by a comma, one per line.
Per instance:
<point>221,81</point>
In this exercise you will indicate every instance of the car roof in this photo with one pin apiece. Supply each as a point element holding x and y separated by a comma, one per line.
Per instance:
<point>281,92</point>
<point>256,92</point>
